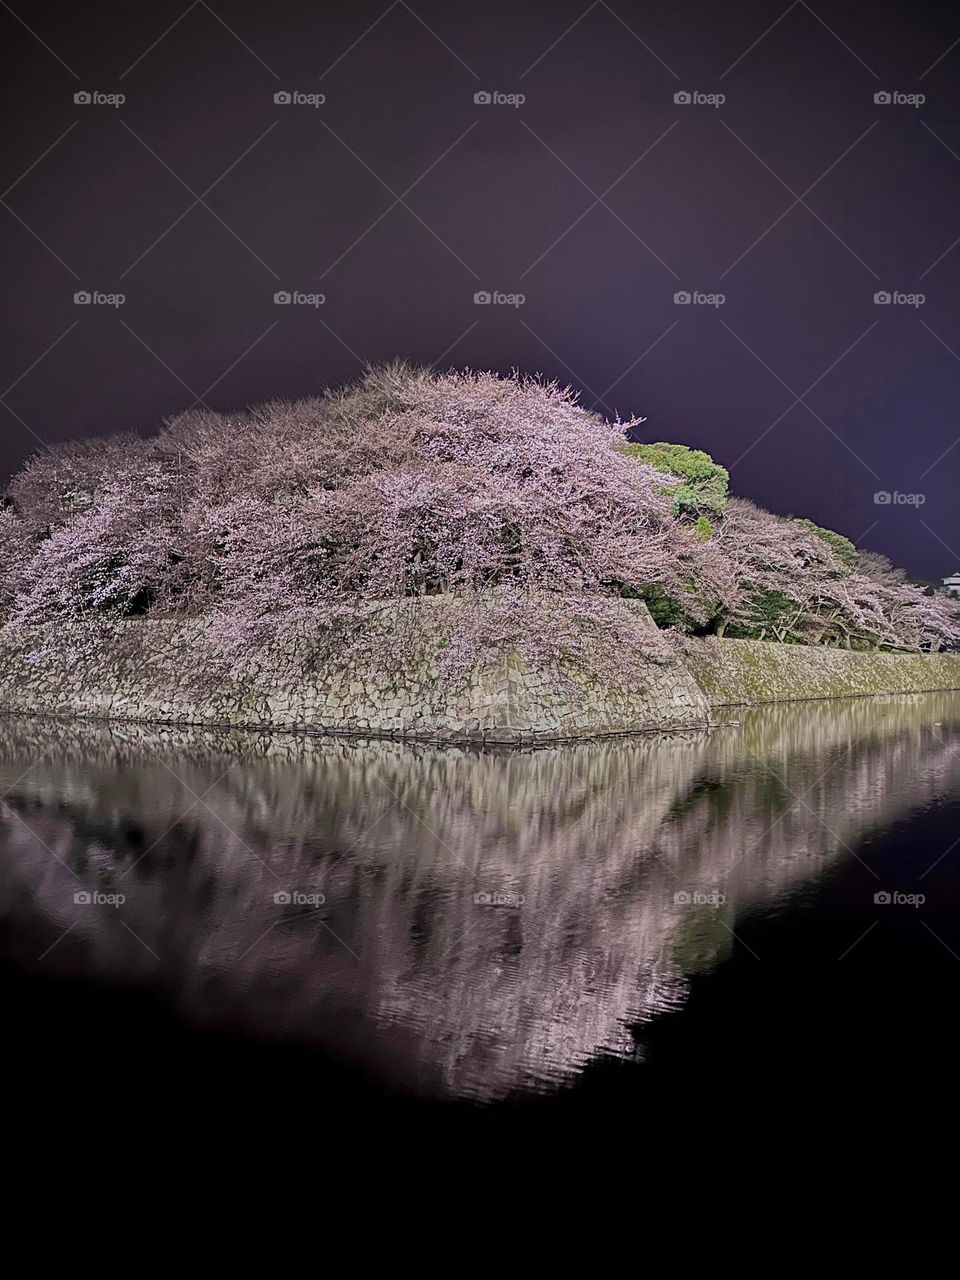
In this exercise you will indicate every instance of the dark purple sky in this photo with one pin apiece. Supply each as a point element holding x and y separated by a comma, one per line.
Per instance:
<point>598,199</point>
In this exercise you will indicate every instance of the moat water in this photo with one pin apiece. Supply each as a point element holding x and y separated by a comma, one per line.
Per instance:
<point>644,923</point>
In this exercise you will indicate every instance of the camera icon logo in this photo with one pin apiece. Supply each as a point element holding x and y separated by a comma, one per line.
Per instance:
<point>882,899</point>
<point>82,898</point>
<point>882,498</point>
<point>682,298</point>
<point>483,899</point>
<point>282,98</point>
<point>882,98</point>
<point>482,98</point>
<point>283,898</point>
<point>82,98</point>
<point>682,898</point>
<point>282,298</point>
<point>482,299</point>
<point>82,298</point>
<point>682,98</point>
<point>882,298</point>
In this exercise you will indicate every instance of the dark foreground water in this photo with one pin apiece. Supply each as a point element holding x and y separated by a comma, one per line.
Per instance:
<point>707,926</point>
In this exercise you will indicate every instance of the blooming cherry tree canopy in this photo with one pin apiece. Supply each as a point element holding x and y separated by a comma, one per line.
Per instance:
<point>503,492</point>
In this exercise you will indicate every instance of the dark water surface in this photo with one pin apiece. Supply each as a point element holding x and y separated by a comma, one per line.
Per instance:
<point>743,919</point>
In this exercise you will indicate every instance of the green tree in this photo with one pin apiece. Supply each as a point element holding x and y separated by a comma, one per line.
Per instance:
<point>703,486</point>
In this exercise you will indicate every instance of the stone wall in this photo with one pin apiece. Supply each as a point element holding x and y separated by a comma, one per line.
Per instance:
<point>169,672</point>
<point>753,671</point>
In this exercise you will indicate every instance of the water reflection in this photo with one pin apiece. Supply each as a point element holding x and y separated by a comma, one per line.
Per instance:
<point>475,923</point>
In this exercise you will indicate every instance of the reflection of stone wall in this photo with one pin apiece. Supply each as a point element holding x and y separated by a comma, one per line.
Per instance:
<point>751,671</point>
<point>168,671</point>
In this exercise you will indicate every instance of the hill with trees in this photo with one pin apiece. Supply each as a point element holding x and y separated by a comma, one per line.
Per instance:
<point>294,515</point>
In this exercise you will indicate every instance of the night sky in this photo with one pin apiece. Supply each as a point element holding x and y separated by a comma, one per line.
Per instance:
<point>599,198</point>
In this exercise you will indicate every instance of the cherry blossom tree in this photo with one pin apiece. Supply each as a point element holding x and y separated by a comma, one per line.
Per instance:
<point>118,555</point>
<point>503,494</point>
<point>58,483</point>
<point>793,584</point>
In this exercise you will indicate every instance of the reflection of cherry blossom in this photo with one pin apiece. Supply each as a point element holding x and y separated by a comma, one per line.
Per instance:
<point>620,852</point>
